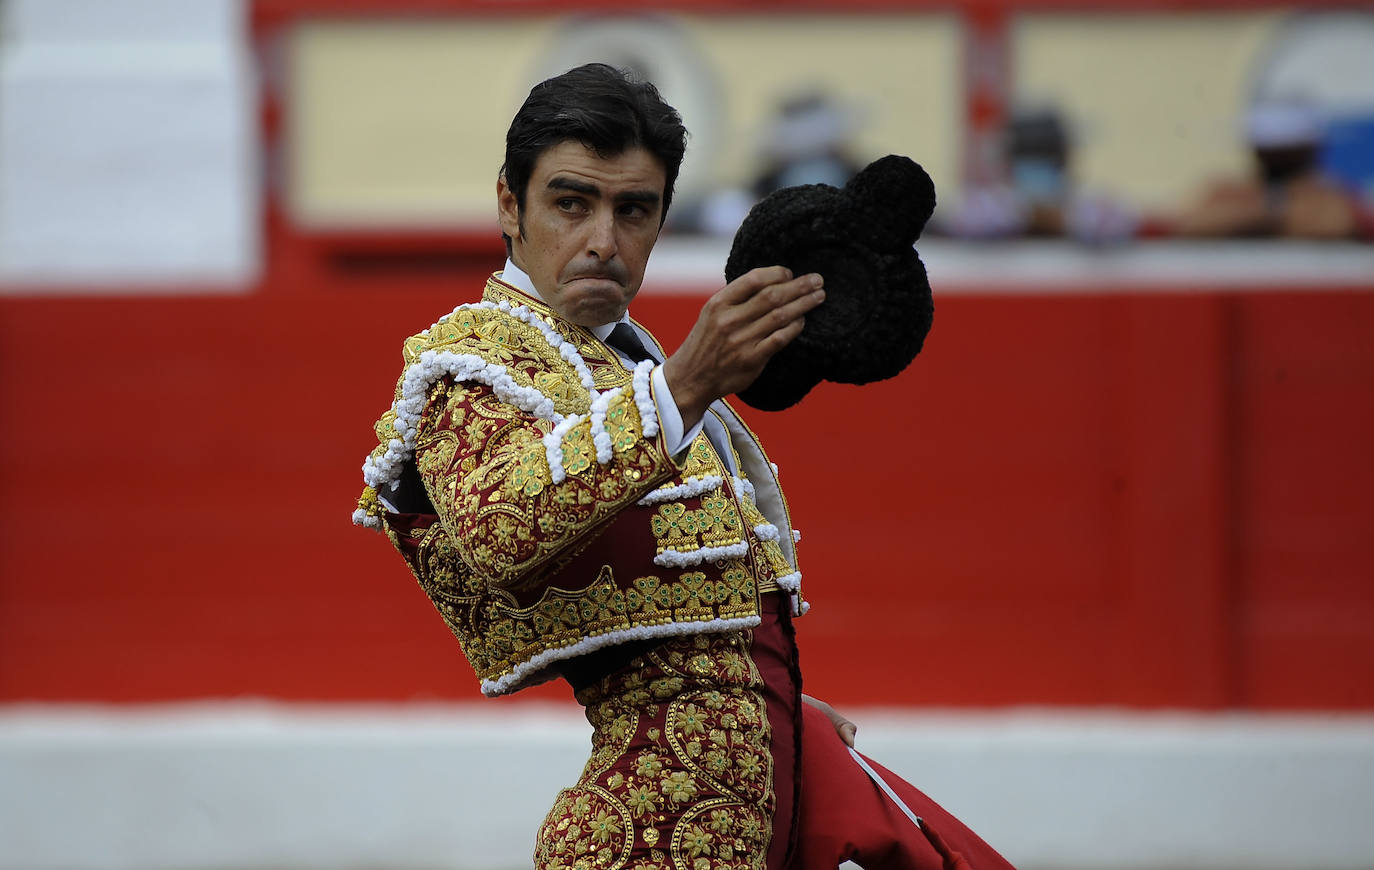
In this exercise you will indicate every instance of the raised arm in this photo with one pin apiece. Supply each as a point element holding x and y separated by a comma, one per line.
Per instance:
<point>515,491</point>
<point>738,331</point>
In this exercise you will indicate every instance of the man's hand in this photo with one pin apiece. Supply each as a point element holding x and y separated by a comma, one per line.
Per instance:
<point>843,726</point>
<point>738,331</point>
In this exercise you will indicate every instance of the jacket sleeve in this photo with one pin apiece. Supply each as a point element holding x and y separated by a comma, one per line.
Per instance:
<point>515,492</point>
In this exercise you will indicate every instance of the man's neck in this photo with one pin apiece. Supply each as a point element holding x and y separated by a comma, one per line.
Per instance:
<point>516,277</point>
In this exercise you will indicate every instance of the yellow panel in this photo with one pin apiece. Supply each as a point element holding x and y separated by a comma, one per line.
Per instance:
<point>404,120</point>
<point>1157,100</point>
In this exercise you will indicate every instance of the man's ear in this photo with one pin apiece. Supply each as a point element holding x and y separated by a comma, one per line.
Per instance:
<point>508,210</point>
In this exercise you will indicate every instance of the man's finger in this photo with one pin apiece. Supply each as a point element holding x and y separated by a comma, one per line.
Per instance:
<point>780,294</point>
<point>750,283</point>
<point>847,731</point>
<point>785,320</point>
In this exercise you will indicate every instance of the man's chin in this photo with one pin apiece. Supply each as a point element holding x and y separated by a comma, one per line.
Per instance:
<point>594,317</point>
<point>594,301</point>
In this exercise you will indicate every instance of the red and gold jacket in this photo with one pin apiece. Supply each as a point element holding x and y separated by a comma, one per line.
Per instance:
<point>552,520</point>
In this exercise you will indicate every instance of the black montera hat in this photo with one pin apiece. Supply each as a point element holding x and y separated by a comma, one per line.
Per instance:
<point>877,307</point>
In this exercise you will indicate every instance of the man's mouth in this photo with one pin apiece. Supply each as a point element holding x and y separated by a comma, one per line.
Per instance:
<point>599,276</point>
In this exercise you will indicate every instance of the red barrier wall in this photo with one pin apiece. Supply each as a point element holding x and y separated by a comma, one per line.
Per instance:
<point>1140,499</point>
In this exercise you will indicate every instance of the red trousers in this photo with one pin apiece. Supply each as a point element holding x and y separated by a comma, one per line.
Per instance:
<point>828,809</point>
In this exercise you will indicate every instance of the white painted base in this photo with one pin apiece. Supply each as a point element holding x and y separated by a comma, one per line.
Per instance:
<point>245,784</point>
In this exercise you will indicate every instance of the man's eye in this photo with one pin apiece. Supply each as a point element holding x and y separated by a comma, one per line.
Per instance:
<point>570,205</point>
<point>633,210</point>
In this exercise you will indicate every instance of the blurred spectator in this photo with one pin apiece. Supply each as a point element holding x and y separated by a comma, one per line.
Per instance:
<point>809,141</point>
<point>1039,197</point>
<point>1288,195</point>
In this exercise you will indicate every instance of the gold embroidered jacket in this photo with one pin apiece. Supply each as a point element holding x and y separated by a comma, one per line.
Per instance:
<point>553,521</point>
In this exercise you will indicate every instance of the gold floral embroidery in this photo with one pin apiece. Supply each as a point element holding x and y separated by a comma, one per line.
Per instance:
<point>680,782</point>
<point>622,429</point>
<point>650,596</point>
<point>501,334</point>
<point>602,602</point>
<point>513,471</point>
<point>736,585</point>
<point>718,520</point>
<point>675,527</point>
<point>701,459</point>
<point>590,829</point>
<point>529,474</point>
<point>556,386</point>
<point>578,451</point>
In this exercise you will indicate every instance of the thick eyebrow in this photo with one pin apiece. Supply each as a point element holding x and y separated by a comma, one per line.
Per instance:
<point>645,197</point>
<point>558,182</point>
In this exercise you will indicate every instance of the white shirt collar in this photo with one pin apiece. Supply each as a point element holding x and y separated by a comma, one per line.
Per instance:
<point>516,277</point>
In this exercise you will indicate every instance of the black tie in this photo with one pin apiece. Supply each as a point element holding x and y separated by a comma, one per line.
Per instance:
<point>623,339</point>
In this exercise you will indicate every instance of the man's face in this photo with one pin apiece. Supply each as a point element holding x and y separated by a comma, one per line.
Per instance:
<point>588,226</point>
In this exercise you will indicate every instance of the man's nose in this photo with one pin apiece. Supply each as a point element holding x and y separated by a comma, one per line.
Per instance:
<point>601,241</point>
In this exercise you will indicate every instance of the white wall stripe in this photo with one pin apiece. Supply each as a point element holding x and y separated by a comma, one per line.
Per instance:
<point>464,786</point>
<point>683,266</point>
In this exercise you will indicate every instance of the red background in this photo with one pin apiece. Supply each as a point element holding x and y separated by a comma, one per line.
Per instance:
<point>1137,498</point>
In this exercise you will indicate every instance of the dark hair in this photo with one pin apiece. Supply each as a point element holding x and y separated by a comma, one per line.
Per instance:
<point>605,109</point>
